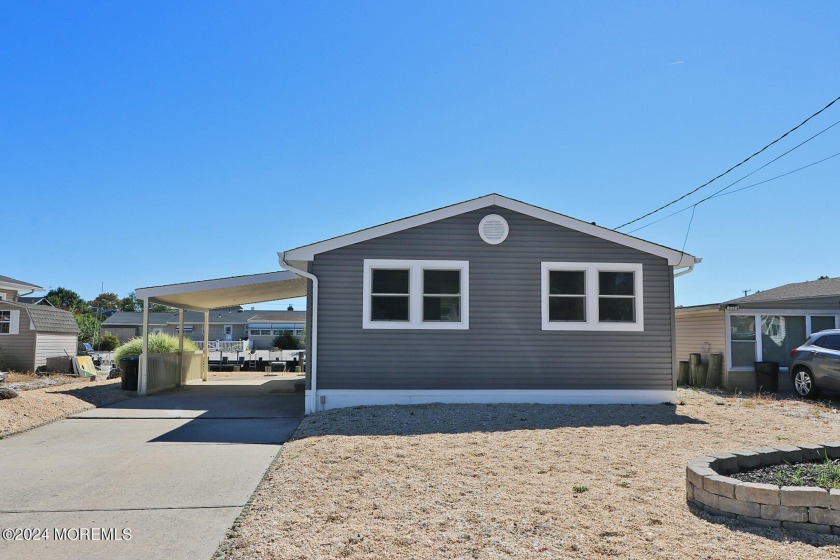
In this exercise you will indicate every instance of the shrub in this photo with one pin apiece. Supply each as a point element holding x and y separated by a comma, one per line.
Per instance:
<point>158,344</point>
<point>286,341</point>
<point>107,342</point>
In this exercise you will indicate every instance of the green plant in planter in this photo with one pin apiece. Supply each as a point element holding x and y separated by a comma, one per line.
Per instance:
<point>158,344</point>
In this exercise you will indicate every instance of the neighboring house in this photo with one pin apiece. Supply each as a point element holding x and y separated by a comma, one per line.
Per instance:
<point>12,290</point>
<point>29,334</point>
<point>764,326</point>
<point>489,300</point>
<point>230,323</point>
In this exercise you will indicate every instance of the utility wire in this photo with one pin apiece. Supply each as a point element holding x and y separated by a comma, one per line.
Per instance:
<point>742,162</point>
<point>720,194</point>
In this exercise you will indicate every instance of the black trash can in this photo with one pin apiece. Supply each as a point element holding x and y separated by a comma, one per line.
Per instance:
<point>130,368</point>
<point>767,376</point>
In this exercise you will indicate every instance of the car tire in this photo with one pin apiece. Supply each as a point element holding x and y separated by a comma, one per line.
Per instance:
<point>803,383</point>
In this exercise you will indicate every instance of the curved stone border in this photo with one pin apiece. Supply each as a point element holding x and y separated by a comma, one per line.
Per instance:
<point>791,507</point>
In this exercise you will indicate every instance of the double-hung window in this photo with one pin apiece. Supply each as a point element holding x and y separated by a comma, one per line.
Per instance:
<point>5,321</point>
<point>592,296</point>
<point>415,294</point>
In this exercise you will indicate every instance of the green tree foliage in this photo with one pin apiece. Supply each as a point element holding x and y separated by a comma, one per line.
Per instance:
<point>107,300</point>
<point>66,299</point>
<point>108,341</point>
<point>286,341</point>
<point>88,326</point>
<point>130,303</point>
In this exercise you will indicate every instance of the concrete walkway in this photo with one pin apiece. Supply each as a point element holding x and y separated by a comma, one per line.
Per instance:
<point>171,470</point>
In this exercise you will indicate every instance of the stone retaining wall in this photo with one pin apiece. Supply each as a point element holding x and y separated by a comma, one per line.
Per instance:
<point>791,507</point>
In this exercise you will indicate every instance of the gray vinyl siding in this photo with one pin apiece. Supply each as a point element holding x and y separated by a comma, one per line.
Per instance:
<point>505,346</point>
<point>19,349</point>
<point>49,345</point>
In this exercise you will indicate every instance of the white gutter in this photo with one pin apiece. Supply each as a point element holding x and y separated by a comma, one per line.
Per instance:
<point>313,359</point>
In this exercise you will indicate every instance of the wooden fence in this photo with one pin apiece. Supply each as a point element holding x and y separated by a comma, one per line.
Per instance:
<point>163,370</point>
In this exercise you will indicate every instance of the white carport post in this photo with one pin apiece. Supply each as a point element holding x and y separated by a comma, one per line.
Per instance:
<point>205,364</point>
<point>180,345</point>
<point>144,356</point>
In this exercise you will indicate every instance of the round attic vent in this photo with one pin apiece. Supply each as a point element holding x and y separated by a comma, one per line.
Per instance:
<point>493,229</point>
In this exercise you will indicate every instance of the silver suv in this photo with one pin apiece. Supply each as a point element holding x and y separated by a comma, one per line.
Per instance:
<point>815,365</point>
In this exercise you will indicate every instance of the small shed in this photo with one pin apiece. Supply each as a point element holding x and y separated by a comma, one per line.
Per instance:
<point>29,334</point>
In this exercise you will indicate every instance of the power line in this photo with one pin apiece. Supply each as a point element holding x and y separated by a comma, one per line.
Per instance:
<point>742,162</point>
<point>720,194</point>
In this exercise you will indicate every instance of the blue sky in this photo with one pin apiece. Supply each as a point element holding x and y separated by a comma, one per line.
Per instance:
<point>150,143</point>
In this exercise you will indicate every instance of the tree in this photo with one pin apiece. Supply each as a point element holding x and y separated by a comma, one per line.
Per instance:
<point>286,341</point>
<point>130,303</point>
<point>823,278</point>
<point>66,299</point>
<point>88,327</point>
<point>107,300</point>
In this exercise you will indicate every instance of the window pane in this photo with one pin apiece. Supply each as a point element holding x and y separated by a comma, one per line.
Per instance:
<point>441,308</point>
<point>742,327</point>
<point>441,281</point>
<point>779,335</point>
<point>4,328</point>
<point>566,282</point>
<point>743,353</point>
<point>389,281</point>
<point>566,309</point>
<point>389,308</point>
<point>830,341</point>
<point>616,283</point>
<point>616,309</point>
<point>5,315</point>
<point>821,322</point>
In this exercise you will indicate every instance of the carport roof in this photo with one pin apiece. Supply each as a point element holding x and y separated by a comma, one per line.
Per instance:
<point>224,292</point>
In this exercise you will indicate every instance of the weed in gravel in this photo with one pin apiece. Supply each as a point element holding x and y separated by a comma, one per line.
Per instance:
<point>579,489</point>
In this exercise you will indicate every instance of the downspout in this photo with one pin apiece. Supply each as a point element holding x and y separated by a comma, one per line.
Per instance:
<point>313,359</point>
<point>682,272</point>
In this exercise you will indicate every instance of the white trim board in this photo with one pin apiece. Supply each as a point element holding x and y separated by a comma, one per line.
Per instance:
<point>307,252</point>
<point>342,398</point>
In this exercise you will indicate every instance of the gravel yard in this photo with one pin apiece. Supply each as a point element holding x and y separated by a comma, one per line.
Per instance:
<point>36,407</point>
<point>520,481</point>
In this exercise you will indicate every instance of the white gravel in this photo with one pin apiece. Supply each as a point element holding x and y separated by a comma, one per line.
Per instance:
<point>498,481</point>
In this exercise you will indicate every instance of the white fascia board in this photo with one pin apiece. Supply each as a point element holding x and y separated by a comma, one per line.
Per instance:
<point>674,257</point>
<point>342,398</point>
<point>20,287</point>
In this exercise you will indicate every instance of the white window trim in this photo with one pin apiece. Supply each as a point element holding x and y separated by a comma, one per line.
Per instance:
<point>591,271</point>
<point>14,322</point>
<point>415,294</point>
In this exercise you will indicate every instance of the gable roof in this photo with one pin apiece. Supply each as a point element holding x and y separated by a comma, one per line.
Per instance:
<point>827,287</point>
<point>48,319</point>
<point>307,253</point>
<point>19,285</point>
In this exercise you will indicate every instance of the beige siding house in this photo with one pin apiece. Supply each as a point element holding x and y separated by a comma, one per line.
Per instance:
<point>29,334</point>
<point>764,326</point>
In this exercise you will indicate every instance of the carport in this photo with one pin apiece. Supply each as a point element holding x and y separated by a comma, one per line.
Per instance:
<point>202,296</point>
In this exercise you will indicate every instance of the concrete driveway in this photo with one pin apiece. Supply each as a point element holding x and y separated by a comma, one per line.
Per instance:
<point>163,476</point>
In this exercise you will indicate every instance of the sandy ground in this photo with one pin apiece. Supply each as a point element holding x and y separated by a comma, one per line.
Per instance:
<point>37,407</point>
<point>513,481</point>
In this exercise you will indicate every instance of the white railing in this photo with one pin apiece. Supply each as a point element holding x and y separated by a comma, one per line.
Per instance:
<point>224,345</point>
